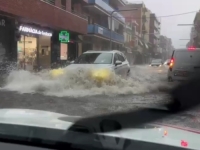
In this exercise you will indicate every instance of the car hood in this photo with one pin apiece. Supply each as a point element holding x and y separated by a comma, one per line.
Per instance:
<point>88,66</point>
<point>154,133</point>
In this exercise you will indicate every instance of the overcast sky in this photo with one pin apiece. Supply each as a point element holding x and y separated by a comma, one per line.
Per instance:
<point>169,26</point>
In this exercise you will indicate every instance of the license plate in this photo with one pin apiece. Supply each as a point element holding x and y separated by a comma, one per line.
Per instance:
<point>181,73</point>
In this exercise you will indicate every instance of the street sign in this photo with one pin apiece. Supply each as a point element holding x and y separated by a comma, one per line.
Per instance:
<point>64,37</point>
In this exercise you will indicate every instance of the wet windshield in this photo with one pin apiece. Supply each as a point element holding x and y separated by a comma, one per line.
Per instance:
<point>87,58</point>
<point>95,58</point>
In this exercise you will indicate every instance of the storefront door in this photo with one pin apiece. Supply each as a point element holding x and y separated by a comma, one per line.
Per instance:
<point>27,53</point>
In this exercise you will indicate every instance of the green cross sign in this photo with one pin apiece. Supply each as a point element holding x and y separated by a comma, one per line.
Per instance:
<point>64,37</point>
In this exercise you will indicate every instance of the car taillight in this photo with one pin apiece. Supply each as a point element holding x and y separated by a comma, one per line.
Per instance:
<point>171,64</point>
<point>192,48</point>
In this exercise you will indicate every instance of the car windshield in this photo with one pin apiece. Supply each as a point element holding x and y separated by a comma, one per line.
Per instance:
<point>156,61</point>
<point>94,58</point>
<point>188,57</point>
<point>89,58</point>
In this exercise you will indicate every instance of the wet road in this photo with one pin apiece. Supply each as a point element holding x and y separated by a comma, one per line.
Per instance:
<point>152,81</point>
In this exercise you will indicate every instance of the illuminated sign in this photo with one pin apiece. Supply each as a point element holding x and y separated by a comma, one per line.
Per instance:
<point>34,31</point>
<point>64,37</point>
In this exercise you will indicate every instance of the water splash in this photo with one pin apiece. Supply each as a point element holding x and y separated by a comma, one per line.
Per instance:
<point>143,79</point>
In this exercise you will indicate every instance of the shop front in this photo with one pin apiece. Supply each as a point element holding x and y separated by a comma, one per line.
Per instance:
<point>34,48</point>
<point>7,42</point>
<point>65,47</point>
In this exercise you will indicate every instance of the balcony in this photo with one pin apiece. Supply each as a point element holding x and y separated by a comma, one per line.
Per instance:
<point>99,6</point>
<point>52,2</point>
<point>44,14</point>
<point>144,30</point>
<point>144,18</point>
<point>156,35</point>
<point>104,32</point>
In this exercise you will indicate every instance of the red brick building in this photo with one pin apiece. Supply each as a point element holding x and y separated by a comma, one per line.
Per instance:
<point>39,23</point>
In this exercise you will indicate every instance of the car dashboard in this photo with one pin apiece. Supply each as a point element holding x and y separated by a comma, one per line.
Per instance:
<point>36,138</point>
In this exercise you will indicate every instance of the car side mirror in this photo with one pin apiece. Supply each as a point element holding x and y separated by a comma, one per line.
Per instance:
<point>118,62</point>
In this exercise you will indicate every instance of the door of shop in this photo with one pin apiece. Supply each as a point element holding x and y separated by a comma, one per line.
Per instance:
<point>27,53</point>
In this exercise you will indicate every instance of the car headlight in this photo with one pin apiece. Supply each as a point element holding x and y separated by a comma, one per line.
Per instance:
<point>102,74</point>
<point>56,72</point>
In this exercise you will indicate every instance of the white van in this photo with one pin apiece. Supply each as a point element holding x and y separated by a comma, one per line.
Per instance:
<point>183,64</point>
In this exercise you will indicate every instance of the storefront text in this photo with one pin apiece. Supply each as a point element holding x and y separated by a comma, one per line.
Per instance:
<point>34,31</point>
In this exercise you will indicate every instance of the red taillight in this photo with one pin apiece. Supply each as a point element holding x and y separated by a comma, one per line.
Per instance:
<point>192,48</point>
<point>184,143</point>
<point>172,60</point>
<point>171,64</point>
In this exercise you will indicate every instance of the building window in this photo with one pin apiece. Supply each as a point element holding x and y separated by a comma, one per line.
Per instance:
<point>52,2</point>
<point>63,4</point>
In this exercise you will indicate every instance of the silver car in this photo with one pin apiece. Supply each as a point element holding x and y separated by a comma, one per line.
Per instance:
<point>113,60</point>
<point>184,63</point>
<point>156,63</point>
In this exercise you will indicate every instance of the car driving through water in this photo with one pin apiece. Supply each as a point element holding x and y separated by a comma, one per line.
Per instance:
<point>102,65</point>
<point>156,63</point>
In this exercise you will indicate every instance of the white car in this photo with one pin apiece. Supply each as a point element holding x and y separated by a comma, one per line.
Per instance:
<point>184,63</point>
<point>102,63</point>
<point>156,63</point>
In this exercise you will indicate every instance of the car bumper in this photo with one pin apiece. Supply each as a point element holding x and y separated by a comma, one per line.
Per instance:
<point>101,75</point>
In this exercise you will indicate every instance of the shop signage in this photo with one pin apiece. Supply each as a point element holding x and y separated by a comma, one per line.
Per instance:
<point>64,37</point>
<point>34,30</point>
<point>2,22</point>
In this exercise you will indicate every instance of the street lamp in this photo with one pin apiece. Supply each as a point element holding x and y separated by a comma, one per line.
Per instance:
<point>111,22</point>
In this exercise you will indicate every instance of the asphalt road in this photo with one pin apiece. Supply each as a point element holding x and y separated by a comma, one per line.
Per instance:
<point>151,80</point>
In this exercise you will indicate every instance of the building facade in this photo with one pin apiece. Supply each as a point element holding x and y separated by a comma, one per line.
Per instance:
<point>165,47</point>
<point>36,36</point>
<point>196,37</point>
<point>141,16</point>
<point>100,31</point>
<point>154,35</point>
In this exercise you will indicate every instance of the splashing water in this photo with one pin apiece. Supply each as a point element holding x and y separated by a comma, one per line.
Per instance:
<point>74,84</point>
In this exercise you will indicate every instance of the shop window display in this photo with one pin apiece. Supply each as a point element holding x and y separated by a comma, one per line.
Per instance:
<point>27,53</point>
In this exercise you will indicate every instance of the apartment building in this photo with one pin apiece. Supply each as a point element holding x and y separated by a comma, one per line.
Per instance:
<point>39,32</point>
<point>154,35</point>
<point>196,37</point>
<point>165,47</point>
<point>142,17</point>
<point>193,35</point>
<point>100,32</point>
